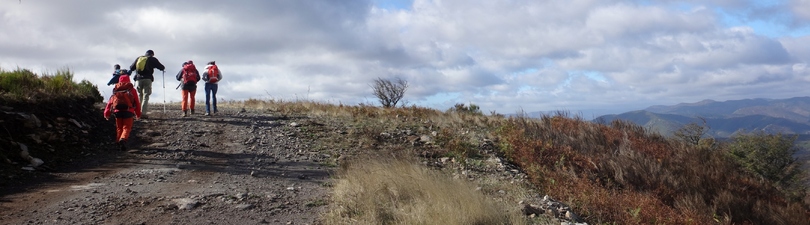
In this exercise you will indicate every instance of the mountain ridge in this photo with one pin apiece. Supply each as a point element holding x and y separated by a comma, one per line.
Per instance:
<point>725,118</point>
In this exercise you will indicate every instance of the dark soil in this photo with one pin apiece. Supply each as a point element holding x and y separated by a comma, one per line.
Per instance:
<point>236,167</point>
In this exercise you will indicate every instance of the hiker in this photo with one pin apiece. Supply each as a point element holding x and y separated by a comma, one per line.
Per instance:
<point>211,76</point>
<point>115,75</point>
<point>125,105</point>
<point>188,76</point>
<point>145,66</point>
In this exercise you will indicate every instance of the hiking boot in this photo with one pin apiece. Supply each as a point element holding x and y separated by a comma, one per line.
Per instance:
<point>123,144</point>
<point>207,114</point>
<point>192,112</point>
<point>185,113</point>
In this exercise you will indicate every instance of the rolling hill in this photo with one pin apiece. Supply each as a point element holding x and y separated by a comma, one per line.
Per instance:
<point>787,116</point>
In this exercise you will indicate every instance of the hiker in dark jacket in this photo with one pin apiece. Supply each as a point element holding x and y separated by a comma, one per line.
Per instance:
<point>189,76</point>
<point>145,77</point>
<point>115,75</point>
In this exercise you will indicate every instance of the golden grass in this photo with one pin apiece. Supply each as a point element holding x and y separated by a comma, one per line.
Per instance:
<point>402,192</point>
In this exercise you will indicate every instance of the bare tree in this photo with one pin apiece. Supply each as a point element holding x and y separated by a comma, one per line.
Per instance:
<point>389,92</point>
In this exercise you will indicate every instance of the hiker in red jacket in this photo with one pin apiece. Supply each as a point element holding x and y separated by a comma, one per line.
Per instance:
<point>125,105</point>
<point>211,76</point>
<point>189,76</point>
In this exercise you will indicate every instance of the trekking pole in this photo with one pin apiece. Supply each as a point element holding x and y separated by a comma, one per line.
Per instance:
<point>164,91</point>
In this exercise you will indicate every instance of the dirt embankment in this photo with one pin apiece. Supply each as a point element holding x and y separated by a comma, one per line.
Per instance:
<point>236,167</point>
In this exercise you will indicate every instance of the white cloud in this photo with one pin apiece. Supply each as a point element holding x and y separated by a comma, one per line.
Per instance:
<point>503,55</point>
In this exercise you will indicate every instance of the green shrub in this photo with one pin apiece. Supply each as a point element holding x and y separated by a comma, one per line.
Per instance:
<point>471,109</point>
<point>22,84</point>
<point>19,81</point>
<point>769,156</point>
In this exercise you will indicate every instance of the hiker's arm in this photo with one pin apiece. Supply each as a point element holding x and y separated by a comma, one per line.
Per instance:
<point>205,76</point>
<point>132,67</point>
<point>137,102</point>
<point>219,75</point>
<point>157,64</point>
<point>179,75</point>
<point>107,110</point>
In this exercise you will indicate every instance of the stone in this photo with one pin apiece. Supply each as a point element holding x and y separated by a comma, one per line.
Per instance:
<point>157,145</point>
<point>244,206</point>
<point>425,139</point>
<point>31,120</point>
<point>185,203</point>
<point>35,162</point>
<point>76,123</point>
<point>35,138</point>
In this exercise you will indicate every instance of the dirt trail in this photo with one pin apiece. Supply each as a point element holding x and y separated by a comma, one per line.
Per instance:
<point>233,168</point>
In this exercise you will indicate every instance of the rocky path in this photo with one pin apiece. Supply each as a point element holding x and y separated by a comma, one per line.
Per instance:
<point>233,168</point>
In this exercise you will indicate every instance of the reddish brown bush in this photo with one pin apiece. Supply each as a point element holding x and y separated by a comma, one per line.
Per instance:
<point>621,173</point>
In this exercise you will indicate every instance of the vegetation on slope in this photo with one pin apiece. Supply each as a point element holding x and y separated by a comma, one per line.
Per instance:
<point>22,85</point>
<point>620,173</point>
<point>608,173</point>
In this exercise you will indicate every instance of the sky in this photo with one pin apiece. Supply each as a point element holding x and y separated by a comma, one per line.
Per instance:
<point>587,57</point>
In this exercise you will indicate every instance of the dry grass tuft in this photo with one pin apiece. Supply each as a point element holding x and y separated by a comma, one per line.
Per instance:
<point>402,192</point>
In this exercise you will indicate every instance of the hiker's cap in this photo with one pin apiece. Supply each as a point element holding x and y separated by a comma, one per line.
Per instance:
<point>123,78</point>
<point>150,52</point>
<point>117,66</point>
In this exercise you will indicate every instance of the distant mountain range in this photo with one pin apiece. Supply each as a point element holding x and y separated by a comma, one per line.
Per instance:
<point>787,116</point>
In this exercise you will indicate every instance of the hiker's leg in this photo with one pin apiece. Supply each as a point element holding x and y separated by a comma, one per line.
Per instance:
<point>140,92</point>
<point>119,129</point>
<point>192,99</point>
<point>184,103</point>
<point>214,88</point>
<point>147,89</point>
<point>127,128</point>
<point>207,98</point>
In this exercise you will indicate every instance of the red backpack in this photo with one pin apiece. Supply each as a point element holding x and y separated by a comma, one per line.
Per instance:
<point>122,98</point>
<point>189,73</point>
<point>213,74</point>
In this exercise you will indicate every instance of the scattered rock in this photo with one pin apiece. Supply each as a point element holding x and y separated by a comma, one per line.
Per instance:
<point>76,123</point>
<point>157,145</point>
<point>426,139</point>
<point>553,208</point>
<point>185,203</point>
<point>244,206</point>
<point>31,120</point>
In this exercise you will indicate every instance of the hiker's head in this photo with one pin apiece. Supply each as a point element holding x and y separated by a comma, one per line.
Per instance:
<point>123,78</point>
<point>124,72</point>
<point>185,63</point>
<point>118,67</point>
<point>150,52</point>
<point>212,63</point>
<point>190,62</point>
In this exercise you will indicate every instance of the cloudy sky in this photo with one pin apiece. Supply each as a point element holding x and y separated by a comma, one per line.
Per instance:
<point>584,56</point>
